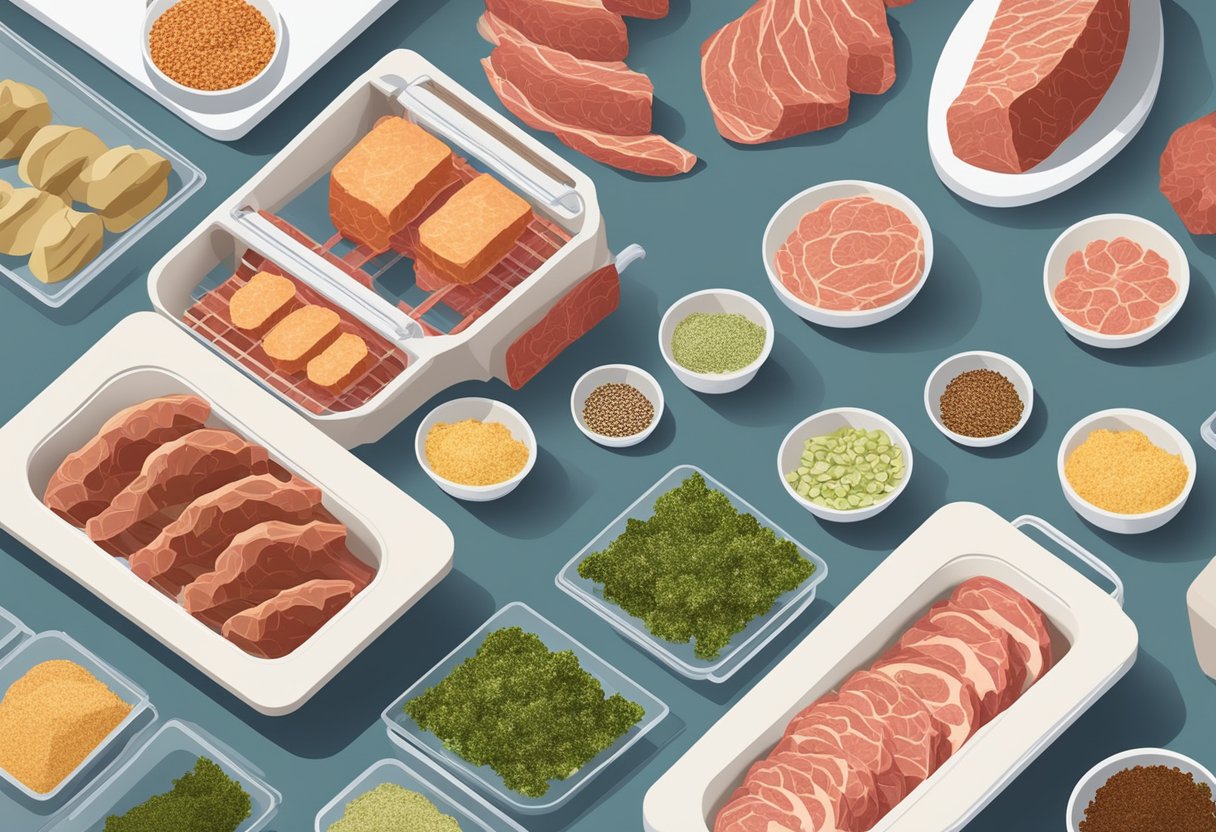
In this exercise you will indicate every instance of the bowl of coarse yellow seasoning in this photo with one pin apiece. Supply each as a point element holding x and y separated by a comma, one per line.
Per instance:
<point>1126,471</point>
<point>476,449</point>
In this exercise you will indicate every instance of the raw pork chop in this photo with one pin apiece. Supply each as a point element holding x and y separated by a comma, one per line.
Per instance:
<point>851,254</point>
<point>88,479</point>
<point>268,558</point>
<point>190,544</point>
<point>862,25</point>
<point>274,628</point>
<point>173,476</point>
<point>951,700</point>
<point>1188,174</point>
<point>1004,607</point>
<point>849,788</point>
<point>584,28</point>
<point>1114,287</point>
<point>776,810</point>
<point>649,9</point>
<point>1044,67</point>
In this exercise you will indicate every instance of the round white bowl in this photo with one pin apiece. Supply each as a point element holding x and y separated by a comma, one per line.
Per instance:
<point>486,410</point>
<point>786,220</point>
<point>1161,433</point>
<point>1097,776</point>
<point>1108,227</point>
<point>216,101</point>
<point>715,301</point>
<point>949,369</point>
<point>616,374</point>
<point>825,422</point>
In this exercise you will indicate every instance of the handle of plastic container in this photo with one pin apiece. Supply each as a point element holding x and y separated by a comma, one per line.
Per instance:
<point>1208,432</point>
<point>629,255</point>
<point>1075,549</point>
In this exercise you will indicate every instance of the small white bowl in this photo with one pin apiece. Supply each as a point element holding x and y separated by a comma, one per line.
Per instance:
<point>823,423</point>
<point>616,374</point>
<point>1161,433</point>
<point>215,101</point>
<point>786,220</point>
<point>1108,227</point>
<point>486,410</point>
<point>715,301</point>
<point>955,365</point>
<point>1097,776</point>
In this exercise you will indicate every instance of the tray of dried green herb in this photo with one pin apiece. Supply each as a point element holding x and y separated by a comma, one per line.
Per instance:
<point>695,576</point>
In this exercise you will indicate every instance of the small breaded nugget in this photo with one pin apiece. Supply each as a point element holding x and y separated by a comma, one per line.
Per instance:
<point>262,302</point>
<point>301,337</point>
<point>341,362</point>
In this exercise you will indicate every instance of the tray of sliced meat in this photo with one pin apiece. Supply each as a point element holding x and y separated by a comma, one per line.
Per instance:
<point>212,516</point>
<point>942,676</point>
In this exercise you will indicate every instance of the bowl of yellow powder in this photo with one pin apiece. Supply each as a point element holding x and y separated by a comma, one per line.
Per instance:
<point>1126,471</point>
<point>475,449</point>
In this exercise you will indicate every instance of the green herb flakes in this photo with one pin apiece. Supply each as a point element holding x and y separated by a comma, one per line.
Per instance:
<point>529,714</point>
<point>718,342</point>
<point>698,570</point>
<point>203,800</point>
<point>393,808</point>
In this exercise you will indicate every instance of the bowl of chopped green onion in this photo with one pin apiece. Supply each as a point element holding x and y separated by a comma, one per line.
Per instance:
<point>716,340</point>
<point>845,464</point>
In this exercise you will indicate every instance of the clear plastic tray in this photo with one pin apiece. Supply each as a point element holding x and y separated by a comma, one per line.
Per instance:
<point>521,615</point>
<point>12,631</point>
<point>681,657</point>
<point>1208,430</point>
<point>73,102</point>
<point>151,770</point>
<point>54,645</point>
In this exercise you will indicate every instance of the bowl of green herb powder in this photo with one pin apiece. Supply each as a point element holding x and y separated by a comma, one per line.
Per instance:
<point>716,340</point>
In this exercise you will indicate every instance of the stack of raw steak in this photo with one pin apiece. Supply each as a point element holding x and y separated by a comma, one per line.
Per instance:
<point>1115,287</point>
<point>558,67</point>
<point>788,67</point>
<point>1188,174</point>
<point>849,757</point>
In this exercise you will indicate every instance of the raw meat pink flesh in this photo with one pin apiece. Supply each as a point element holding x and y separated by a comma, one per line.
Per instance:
<point>862,26</point>
<point>1043,69</point>
<point>1188,174</point>
<point>776,810</point>
<point>852,254</point>
<point>1002,606</point>
<point>849,788</point>
<point>950,699</point>
<point>1115,287</point>
<point>584,28</point>
<point>273,629</point>
<point>649,9</point>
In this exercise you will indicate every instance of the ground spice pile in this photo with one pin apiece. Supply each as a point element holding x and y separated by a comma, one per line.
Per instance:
<point>393,808</point>
<point>981,403</point>
<point>474,452</point>
<point>723,342</point>
<point>617,410</point>
<point>211,44</point>
<point>1151,798</point>
<point>1124,472</point>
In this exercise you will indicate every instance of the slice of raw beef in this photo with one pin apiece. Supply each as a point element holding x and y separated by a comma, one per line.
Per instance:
<point>276,627</point>
<point>1004,607</point>
<point>862,26</point>
<point>850,788</point>
<point>1043,69</point>
<point>951,700</point>
<point>1115,287</point>
<point>1188,174</point>
<point>584,28</point>
<point>88,479</point>
<point>775,810</point>
<point>649,9</point>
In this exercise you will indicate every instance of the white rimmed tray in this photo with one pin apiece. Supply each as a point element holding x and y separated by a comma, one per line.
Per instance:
<point>1095,645</point>
<point>412,547</point>
<point>112,32</point>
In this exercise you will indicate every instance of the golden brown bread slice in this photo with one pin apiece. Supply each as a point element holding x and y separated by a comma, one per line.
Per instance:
<point>341,363</point>
<point>473,231</point>
<point>261,303</point>
<point>301,336</point>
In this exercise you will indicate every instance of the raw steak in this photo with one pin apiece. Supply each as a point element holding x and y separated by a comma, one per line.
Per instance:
<point>173,476</point>
<point>649,9</point>
<point>1004,607</point>
<point>851,254</point>
<point>274,628</point>
<point>1114,287</point>
<point>1044,67</point>
<point>268,558</point>
<point>862,25</point>
<point>1188,174</point>
<point>776,810</point>
<point>951,700</point>
<point>88,479</point>
<point>190,544</point>
<point>894,3</point>
<point>584,28</point>
<point>494,29</point>
<point>850,789</point>
<point>608,97</point>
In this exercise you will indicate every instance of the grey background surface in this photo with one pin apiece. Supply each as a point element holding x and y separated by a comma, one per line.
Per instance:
<point>704,230</point>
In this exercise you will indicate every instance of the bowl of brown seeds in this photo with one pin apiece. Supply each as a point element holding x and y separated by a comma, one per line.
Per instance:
<point>979,399</point>
<point>617,405</point>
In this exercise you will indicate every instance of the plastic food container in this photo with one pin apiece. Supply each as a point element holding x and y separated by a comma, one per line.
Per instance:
<point>1201,609</point>
<point>151,770</point>
<point>715,301</point>
<point>1208,430</point>
<point>73,102</point>
<point>517,614</point>
<point>55,645</point>
<point>1097,776</point>
<point>950,369</point>
<point>681,657</point>
<point>1094,641</point>
<point>485,410</point>
<point>641,380</point>
<point>12,631</point>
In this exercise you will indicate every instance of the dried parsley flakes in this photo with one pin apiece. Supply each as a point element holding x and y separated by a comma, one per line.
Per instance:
<point>203,800</point>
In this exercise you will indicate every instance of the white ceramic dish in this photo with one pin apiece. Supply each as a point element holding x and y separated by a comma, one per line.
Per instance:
<point>949,369</point>
<point>1108,227</point>
<point>1161,433</point>
<point>485,410</point>
<point>825,422</point>
<point>715,301</point>
<point>786,220</point>
<point>1097,776</point>
<point>643,381</point>
<point>1099,138</point>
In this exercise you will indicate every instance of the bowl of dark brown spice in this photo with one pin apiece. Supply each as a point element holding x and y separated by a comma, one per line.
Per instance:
<point>617,405</point>
<point>979,399</point>
<point>1146,789</point>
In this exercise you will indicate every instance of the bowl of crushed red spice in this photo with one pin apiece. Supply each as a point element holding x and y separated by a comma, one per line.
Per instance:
<point>1143,789</point>
<point>617,405</point>
<point>979,399</point>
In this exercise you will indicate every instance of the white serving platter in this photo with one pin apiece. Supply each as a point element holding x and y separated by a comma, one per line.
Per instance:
<point>1100,137</point>
<point>112,32</point>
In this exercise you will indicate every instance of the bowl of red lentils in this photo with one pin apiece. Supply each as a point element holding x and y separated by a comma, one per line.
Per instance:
<point>475,449</point>
<point>617,405</point>
<point>1124,790</point>
<point>213,55</point>
<point>979,399</point>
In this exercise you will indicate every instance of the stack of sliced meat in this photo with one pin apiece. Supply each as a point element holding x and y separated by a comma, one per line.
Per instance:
<point>558,67</point>
<point>209,519</point>
<point>851,756</point>
<point>1188,174</point>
